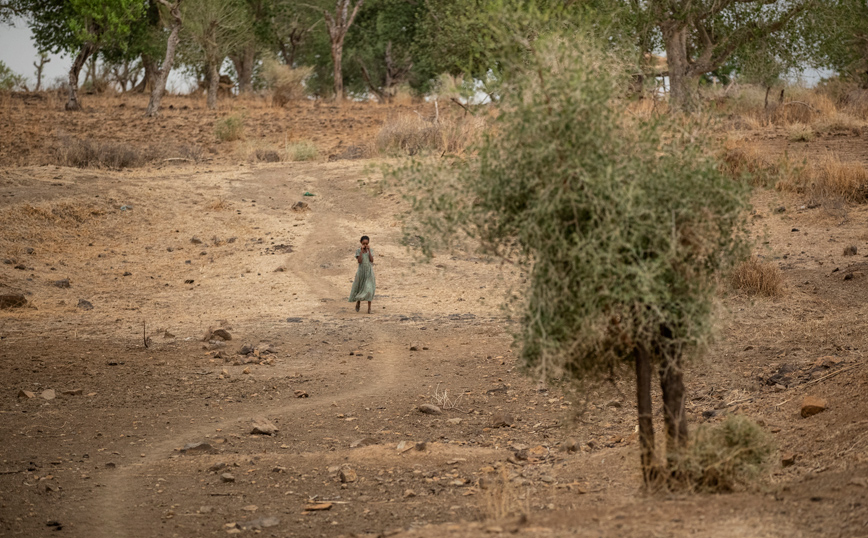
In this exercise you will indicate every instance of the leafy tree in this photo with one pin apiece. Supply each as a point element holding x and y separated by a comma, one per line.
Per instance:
<point>10,9</point>
<point>80,27</point>
<point>621,224</point>
<point>700,36</point>
<point>216,27</point>
<point>338,24</point>
<point>840,38</point>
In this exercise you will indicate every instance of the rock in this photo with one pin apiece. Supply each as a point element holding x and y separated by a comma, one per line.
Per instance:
<point>12,301</point>
<point>300,206</point>
<point>348,475</point>
<point>367,441</point>
<point>859,481</point>
<point>227,478</point>
<point>48,394</point>
<point>268,156</point>
<point>250,508</point>
<point>430,409</point>
<point>73,392</point>
<point>812,405</point>
<point>198,448</point>
<point>408,493</point>
<point>571,445</point>
<point>222,334</point>
<point>62,283</point>
<point>206,509</point>
<point>779,210</point>
<point>195,240</point>
<point>851,250</point>
<point>788,459</point>
<point>263,426</point>
<point>26,394</point>
<point>216,467</point>
<point>414,348</point>
<point>257,524</point>
<point>85,304</point>
<point>318,507</point>
<point>502,419</point>
<point>454,421</point>
<point>301,394</point>
<point>246,371</point>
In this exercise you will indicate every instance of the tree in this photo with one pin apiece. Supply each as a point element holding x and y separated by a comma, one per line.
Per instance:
<point>700,36</point>
<point>216,27</point>
<point>338,24</point>
<point>10,9</point>
<point>622,225</point>
<point>168,60</point>
<point>10,80</point>
<point>80,27</point>
<point>40,65</point>
<point>840,38</point>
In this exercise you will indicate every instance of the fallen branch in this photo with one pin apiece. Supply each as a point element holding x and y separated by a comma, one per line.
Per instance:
<point>457,102</point>
<point>833,374</point>
<point>13,472</point>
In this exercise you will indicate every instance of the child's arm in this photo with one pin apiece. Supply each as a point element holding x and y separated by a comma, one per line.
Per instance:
<point>359,257</point>
<point>371,256</point>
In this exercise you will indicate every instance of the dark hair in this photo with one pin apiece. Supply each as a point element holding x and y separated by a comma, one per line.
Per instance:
<point>363,238</point>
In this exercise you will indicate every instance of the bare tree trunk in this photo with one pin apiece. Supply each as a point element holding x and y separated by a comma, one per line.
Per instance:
<point>213,84</point>
<point>672,385</point>
<point>338,24</point>
<point>86,50</point>
<point>337,55</point>
<point>163,74</point>
<point>43,59</point>
<point>675,38</point>
<point>244,62</point>
<point>645,414</point>
<point>148,79</point>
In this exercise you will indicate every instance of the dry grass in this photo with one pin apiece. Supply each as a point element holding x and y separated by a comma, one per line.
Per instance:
<point>230,129</point>
<point>799,132</point>
<point>47,225</point>
<point>724,456</point>
<point>801,109</point>
<point>88,153</point>
<point>302,150</point>
<point>413,134</point>
<point>285,83</point>
<point>758,278</point>
<point>502,498</point>
<point>744,162</point>
<point>829,178</point>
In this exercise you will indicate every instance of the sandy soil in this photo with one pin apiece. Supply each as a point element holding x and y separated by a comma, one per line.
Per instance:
<point>169,254</point>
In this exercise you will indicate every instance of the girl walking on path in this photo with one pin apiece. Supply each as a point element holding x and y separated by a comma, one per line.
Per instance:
<point>364,284</point>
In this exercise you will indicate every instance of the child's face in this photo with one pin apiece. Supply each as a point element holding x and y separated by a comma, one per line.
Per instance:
<point>365,243</point>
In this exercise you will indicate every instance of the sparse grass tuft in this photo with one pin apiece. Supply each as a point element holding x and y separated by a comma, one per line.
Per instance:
<point>229,129</point>
<point>799,132</point>
<point>502,498</point>
<point>303,150</point>
<point>286,84</point>
<point>724,456</point>
<point>87,153</point>
<point>744,162</point>
<point>758,278</point>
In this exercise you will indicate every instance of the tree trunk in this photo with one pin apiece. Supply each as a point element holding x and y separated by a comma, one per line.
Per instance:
<point>672,385</point>
<point>213,84</point>
<point>244,62</point>
<point>163,74</point>
<point>86,50</point>
<point>150,76</point>
<point>645,414</point>
<point>681,94</point>
<point>337,58</point>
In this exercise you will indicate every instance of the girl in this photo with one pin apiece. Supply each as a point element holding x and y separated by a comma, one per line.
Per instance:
<point>364,284</point>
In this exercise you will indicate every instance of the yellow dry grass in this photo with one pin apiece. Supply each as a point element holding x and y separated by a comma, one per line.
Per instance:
<point>502,498</point>
<point>413,134</point>
<point>754,277</point>
<point>829,178</point>
<point>46,225</point>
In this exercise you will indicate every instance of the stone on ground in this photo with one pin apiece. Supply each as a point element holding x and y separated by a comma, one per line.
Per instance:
<point>263,426</point>
<point>812,405</point>
<point>430,409</point>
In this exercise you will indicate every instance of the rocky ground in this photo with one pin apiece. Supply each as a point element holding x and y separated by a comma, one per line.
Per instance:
<point>186,365</point>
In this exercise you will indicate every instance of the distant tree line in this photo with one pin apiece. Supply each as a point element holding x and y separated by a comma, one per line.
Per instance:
<point>372,47</point>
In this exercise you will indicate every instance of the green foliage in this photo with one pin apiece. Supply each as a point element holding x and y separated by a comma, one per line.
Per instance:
<point>229,129</point>
<point>65,25</point>
<point>622,224</point>
<point>724,456</point>
<point>9,80</point>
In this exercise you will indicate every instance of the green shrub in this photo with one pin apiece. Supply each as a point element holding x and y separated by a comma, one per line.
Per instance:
<point>229,129</point>
<point>11,81</point>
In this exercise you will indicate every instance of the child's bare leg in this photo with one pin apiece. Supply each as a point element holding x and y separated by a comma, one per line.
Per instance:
<point>369,307</point>
<point>358,305</point>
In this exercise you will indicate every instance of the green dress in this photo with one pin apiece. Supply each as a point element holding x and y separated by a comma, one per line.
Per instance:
<point>365,283</point>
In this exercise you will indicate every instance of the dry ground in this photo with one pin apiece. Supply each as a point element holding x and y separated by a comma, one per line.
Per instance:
<point>107,461</point>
